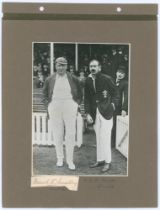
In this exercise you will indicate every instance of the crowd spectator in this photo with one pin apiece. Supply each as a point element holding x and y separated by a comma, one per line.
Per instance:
<point>122,107</point>
<point>39,80</point>
<point>111,57</point>
<point>72,70</point>
<point>106,66</point>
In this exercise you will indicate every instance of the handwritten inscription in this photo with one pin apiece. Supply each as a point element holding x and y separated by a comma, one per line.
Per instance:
<point>70,182</point>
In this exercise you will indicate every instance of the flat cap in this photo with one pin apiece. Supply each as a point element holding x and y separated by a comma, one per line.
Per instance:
<point>121,69</point>
<point>61,60</point>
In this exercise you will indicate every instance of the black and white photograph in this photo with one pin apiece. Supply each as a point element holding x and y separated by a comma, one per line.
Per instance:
<point>80,108</point>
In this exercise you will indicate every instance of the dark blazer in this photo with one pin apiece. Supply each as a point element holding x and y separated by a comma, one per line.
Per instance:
<point>94,99</point>
<point>123,91</point>
<point>76,89</point>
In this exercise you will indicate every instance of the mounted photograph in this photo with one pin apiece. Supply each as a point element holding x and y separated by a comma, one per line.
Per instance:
<point>80,109</point>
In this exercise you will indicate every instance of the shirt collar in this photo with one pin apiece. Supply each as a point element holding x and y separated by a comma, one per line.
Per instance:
<point>58,76</point>
<point>90,75</point>
<point>97,76</point>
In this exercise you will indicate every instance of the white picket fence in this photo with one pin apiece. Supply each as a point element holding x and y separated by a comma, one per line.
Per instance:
<point>42,132</point>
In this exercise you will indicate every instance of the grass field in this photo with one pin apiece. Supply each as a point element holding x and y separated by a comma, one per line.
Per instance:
<point>44,160</point>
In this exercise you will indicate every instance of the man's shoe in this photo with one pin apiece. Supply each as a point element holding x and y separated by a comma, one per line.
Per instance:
<point>71,166</point>
<point>106,167</point>
<point>59,163</point>
<point>97,164</point>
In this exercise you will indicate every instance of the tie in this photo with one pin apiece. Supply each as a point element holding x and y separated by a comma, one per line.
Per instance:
<point>94,84</point>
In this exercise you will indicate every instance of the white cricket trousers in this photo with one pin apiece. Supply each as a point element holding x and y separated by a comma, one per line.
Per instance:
<point>63,114</point>
<point>102,129</point>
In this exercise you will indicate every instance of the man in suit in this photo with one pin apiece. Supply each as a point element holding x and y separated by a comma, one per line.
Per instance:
<point>101,99</point>
<point>62,93</point>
